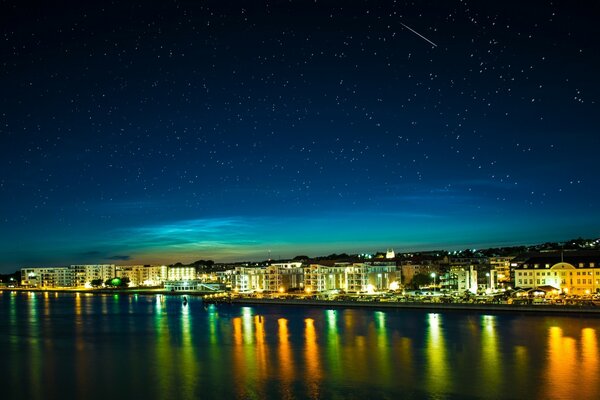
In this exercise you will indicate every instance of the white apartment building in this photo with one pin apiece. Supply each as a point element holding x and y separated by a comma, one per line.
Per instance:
<point>321,278</point>
<point>83,275</point>
<point>47,277</point>
<point>143,275</point>
<point>248,279</point>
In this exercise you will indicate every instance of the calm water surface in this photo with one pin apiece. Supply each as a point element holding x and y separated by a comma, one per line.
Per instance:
<point>125,346</point>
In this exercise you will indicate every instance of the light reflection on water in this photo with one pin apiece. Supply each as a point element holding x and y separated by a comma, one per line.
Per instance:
<point>82,346</point>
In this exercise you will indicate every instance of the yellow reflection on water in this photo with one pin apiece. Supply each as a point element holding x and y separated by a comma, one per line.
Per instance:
<point>35,358</point>
<point>162,350</point>
<point>188,365</point>
<point>521,366</point>
<point>313,368</point>
<point>382,359</point>
<point>247,325</point>
<point>491,363</point>
<point>437,365</point>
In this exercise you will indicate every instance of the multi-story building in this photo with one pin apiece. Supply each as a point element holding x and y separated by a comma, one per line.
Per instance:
<point>409,270</point>
<point>248,279</point>
<point>564,277</point>
<point>47,277</point>
<point>283,277</point>
<point>502,266</point>
<point>376,276</point>
<point>85,274</point>
<point>466,279</point>
<point>181,273</point>
<point>321,278</point>
<point>143,275</point>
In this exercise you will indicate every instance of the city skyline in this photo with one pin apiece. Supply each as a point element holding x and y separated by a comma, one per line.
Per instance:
<point>149,132</point>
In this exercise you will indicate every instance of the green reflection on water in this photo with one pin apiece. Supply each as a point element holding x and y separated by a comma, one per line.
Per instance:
<point>35,350</point>
<point>333,345</point>
<point>382,361</point>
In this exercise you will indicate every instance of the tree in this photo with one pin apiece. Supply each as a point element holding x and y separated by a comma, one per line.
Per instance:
<point>96,283</point>
<point>421,279</point>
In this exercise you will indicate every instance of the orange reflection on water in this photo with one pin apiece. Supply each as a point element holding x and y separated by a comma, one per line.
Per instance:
<point>80,356</point>
<point>261,349</point>
<point>562,368</point>
<point>286,358</point>
<point>313,368</point>
<point>588,370</point>
<point>240,371</point>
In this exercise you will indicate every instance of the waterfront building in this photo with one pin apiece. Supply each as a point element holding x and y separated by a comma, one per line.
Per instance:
<point>181,272</point>
<point>248,279</point>
<point>409,270</point>
<point>83,275</point>
<point>376,276</point>
<point>320,278</point>
<point>47,277</point>
<point>281,277</point>
<point>502,266</point>
<point>466,279</point>
<point>569,272</point>
<point>142,275</point>
<point>564,277</point>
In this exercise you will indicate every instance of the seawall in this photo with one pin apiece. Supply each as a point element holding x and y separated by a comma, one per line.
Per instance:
<point>463,307</point>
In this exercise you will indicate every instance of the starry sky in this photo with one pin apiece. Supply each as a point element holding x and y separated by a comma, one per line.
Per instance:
<point>165,131</point>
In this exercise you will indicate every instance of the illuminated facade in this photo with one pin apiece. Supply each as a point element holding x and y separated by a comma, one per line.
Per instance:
<point>362,277</point>
<point>85,274</point>
<point>47,277</point>
<point>466,279</point>
<point>181,273</point>
<point>502,266</point>
<point>321,278</point>
<point>564,277</point>
<point>283,277</point>
<point>248,279</point>
<point>143,275</point>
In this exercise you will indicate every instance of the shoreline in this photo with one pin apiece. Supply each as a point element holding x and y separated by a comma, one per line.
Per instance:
<point>442,307</point>
<point>479,308</point>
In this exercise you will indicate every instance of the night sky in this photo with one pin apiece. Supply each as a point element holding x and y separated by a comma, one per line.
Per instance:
<point>165,131</point>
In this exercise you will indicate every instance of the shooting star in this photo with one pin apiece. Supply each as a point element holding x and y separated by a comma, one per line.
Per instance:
<point>418,34</point>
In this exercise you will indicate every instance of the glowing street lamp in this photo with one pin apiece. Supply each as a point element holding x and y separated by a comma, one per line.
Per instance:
<point>433,276</point>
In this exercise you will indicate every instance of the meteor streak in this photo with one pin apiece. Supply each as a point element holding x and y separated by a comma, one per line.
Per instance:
<point>418,34</point>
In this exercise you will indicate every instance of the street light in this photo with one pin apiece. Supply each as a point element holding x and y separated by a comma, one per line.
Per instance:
<point>433,276</point>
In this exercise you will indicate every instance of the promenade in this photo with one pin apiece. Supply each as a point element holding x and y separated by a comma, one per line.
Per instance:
<point>582,309</point>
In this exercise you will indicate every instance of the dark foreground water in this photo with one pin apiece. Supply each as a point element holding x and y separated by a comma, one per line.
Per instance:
<point>143,347</point>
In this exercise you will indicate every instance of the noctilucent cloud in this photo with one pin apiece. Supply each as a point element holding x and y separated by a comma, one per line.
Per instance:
<point>165,131</point>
